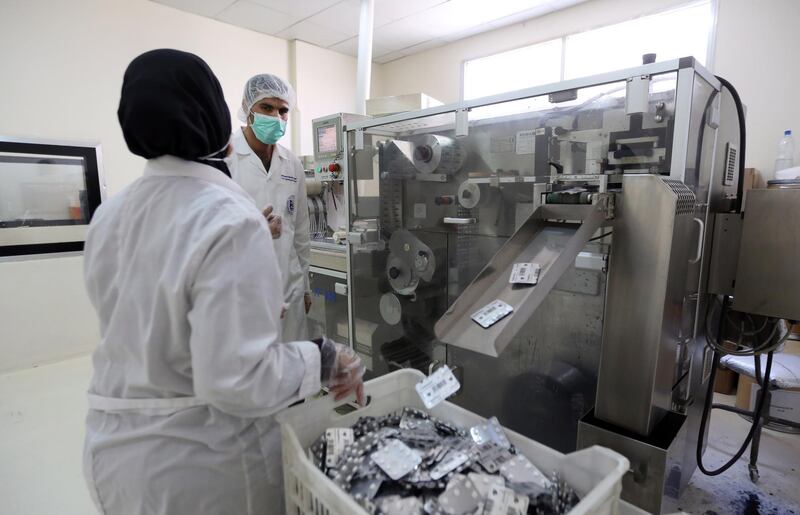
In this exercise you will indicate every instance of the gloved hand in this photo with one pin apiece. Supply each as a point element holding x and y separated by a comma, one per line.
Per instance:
<point>274,222</point>
<point>341,370</point>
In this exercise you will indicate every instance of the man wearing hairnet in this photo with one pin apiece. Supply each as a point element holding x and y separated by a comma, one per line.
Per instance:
<point>274,177</point>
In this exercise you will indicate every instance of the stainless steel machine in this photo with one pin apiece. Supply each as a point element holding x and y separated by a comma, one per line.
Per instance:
<point>610,184</point>
<point>328,220</point>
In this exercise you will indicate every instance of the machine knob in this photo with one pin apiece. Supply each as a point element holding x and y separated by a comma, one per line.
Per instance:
<point>421,261</point>
<point>333,167</point>
<point>394,272</point>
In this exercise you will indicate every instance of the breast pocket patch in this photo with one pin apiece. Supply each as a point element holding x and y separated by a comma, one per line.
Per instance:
<point>290,204</point>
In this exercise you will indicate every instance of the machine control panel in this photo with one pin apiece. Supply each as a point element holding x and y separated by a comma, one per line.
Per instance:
<point>328,171</point>
<point>329,145</point>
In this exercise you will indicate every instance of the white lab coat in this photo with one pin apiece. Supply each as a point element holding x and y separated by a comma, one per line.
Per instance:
<point>190,367</point>
<point>284,188</point>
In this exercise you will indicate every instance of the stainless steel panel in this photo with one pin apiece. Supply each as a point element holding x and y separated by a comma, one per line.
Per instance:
<point>329,307</point>
<point>552,245</point>
<point>331,259</point>
<point>546,379</point>
<point>646,291</point>
<point>767,279</point>
<point>582,82</point>
<point>724,254</point>
<point>657,469</point>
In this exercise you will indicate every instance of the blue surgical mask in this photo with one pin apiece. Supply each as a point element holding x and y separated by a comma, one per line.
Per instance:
<point>268,129</point>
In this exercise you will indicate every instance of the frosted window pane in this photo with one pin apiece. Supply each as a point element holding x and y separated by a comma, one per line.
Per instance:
<point>516,69</point>
<point>679,33</point>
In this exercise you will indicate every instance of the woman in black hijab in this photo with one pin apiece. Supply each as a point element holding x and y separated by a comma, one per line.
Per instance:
<point>181,270</point>
<point>172,104</point>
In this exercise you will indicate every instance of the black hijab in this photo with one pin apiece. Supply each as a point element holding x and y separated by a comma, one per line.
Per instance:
<point>172,104</point>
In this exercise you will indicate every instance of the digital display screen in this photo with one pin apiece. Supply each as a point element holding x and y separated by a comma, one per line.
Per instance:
<point>326,139</point>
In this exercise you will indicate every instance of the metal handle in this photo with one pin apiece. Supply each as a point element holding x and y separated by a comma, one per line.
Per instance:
<point>699,241</point>
<point>459,221</point>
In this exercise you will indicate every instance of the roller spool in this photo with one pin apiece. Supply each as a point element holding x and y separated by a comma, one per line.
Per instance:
<point>401,278</point>
<point>390,308</point>
<point>439,154</point>
<point>316,217</point>
<point>313,187</point>
<point>469,194</point>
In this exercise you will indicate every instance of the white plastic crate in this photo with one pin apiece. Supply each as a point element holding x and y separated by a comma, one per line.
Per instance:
<point>595,473</point>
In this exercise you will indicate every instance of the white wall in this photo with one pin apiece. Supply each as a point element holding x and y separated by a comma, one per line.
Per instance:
<point>62,64</point>
<point>758,44</point>
<point>45,314</point>
<point>754,40</point>
<point>326,84</point>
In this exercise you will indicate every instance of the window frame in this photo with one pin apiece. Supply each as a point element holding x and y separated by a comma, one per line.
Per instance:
<point>710,47</point>
<point>95,189</point>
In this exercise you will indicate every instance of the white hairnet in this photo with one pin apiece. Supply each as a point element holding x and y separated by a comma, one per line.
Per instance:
<point>263,86</point>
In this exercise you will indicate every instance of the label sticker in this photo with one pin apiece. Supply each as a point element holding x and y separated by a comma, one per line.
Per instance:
<point>437,387</point>
<point>491,313</point>
<point>525,273</point>
<point>336,439</point>
<point>501,145</point>
<point>396,459</point>
<point>526,142</point>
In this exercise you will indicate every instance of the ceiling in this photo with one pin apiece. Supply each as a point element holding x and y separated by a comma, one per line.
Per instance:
<point>401,27</point>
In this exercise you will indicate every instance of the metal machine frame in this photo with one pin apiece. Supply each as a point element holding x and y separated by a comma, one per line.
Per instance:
<point>671,371</point>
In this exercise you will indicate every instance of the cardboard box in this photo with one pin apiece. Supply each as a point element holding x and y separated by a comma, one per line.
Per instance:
<point>749,178</point>
<point>785,403</point>
<point>753,180</point>
<point>725,381</point>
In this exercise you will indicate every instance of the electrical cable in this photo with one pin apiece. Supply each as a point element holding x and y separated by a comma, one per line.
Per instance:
<point>742,139</point>
<point>757,414</point>
<point>767,344</point>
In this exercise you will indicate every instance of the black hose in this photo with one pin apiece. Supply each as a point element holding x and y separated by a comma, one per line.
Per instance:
<point>757,414</point>
<point>742,139</point>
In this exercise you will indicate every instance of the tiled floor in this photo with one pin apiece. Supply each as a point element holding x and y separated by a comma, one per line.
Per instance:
<point>41,437</point>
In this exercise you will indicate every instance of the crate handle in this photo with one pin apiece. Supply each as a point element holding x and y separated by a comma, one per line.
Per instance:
<point>378,388</point>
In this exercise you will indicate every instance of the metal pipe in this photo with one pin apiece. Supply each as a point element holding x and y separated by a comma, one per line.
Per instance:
<point>364,69</point>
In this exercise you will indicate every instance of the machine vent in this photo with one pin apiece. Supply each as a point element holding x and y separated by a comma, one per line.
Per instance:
<point>686,198</point>
<point>731,164</point>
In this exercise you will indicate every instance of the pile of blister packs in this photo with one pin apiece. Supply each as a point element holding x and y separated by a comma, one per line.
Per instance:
<point>411,463</point>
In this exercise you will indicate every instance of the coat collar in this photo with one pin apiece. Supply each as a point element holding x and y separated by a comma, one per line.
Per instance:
<point>171,166</point>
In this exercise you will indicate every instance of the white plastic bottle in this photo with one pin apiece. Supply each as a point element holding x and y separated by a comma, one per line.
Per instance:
<point>785,157</point>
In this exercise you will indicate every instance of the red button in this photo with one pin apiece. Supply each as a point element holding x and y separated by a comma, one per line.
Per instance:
<point>333,167</point>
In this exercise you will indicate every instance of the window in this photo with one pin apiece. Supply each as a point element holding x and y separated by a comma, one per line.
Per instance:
<point>681,32</point>
<point>517,69</point>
